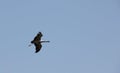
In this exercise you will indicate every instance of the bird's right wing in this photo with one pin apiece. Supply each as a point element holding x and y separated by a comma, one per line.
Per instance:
<point>38,36</point>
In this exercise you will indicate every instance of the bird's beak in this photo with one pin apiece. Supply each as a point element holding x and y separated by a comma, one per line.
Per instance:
<point>30,45</point>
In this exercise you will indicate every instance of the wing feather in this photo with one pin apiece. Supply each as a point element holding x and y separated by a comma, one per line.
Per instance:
<point>36,42</point>
<point>38,47</point>
<point>37,37</point>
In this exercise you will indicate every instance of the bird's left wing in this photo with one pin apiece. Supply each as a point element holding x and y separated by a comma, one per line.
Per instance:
<point>38,47</point>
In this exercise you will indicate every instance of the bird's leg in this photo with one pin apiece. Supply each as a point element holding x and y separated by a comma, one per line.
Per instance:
<point>45,41</point>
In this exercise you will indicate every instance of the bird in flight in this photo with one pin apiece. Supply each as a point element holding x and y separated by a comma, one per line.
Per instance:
<point>37,42</point>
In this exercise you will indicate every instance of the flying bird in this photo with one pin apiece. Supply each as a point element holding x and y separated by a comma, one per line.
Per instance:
<point>37,42</point>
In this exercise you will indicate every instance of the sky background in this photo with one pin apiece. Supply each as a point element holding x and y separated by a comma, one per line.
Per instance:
<point>84,36</point>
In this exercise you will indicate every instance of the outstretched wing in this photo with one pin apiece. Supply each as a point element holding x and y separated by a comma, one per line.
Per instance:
<point>38,47</point>
<point>37,37</point>
<point>36,41</point>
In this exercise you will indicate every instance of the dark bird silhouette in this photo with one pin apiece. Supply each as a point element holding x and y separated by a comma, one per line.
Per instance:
<point>37,42</point>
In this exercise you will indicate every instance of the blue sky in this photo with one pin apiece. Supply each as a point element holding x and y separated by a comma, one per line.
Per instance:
<point>84,35</point>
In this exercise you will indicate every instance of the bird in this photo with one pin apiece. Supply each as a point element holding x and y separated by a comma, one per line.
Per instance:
<point>37,42</point>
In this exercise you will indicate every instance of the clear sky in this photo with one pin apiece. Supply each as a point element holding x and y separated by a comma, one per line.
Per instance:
<point>84,35</point>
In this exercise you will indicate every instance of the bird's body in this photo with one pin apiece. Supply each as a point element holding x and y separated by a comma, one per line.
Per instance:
<point>37,42</point>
